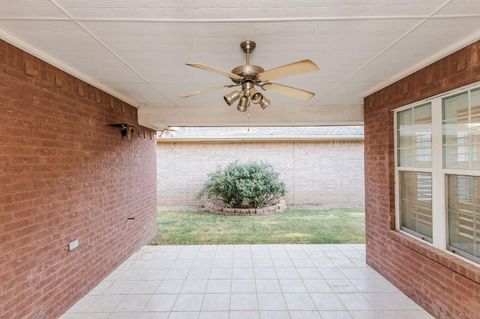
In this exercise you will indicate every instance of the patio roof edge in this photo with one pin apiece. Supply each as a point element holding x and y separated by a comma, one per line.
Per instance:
<point>263,138</point>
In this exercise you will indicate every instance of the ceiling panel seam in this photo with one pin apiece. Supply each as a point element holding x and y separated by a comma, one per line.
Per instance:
<point>71,70</point>
<point>378,42</point>
<point>437,56</point>
<point>112,52</point>
<point>34,19</point>
<point>392,44</point>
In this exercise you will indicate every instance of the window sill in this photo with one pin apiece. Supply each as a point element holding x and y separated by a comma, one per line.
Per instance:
<point>448,260</point>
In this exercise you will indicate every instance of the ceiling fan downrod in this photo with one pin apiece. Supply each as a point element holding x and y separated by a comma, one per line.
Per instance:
<point>248,46</point>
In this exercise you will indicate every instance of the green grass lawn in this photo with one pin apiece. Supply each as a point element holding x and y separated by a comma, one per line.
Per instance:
<point>321,226</point>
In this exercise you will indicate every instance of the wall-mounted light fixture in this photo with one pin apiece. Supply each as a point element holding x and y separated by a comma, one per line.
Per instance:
<point>126,130</point>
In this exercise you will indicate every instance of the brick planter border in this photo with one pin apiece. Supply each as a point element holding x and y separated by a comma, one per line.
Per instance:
<point>216,208</point>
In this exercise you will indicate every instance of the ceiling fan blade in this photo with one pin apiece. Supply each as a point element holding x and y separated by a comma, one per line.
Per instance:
<point>288,91</point>
<point>168,131</point>
<point>283,71</point>
<point>212,88</point>
<point>216,70</point>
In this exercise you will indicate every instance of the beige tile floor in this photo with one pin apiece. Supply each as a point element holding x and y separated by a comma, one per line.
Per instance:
<point>246,281</point>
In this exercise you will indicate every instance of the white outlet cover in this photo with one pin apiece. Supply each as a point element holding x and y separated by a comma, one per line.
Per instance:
<point>73,244</point>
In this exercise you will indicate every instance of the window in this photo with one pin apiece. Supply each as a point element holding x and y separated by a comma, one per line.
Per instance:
<point>457,138</point>
<point>416,204</point>
<point>461,124</point>
<point>438,172</point>
<point>414,151</point>
<point>464,216</point>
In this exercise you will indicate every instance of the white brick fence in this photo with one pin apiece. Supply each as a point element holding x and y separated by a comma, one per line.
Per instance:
<point>316,173</point>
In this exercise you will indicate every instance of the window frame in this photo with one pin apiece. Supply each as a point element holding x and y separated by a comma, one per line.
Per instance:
<point>399,169</point>
<point>440,229</point>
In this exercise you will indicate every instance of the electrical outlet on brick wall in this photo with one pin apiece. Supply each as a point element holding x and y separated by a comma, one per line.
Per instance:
<point>73,244</point>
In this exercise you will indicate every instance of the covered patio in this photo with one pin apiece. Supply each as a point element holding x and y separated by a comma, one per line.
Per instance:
<point>246,282</point>
<point>86,86</point>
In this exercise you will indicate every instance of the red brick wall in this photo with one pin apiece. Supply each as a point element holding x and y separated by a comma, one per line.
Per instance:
<point>65,175</point>
<point>446,286</point>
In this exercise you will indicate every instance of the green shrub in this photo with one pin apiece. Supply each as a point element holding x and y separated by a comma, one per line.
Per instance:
<point>249,185</point>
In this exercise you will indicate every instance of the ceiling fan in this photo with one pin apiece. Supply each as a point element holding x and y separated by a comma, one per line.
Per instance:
<point>168,132</point>
<point>250,76</point>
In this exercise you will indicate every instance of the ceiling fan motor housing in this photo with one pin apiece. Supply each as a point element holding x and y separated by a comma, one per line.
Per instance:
<point>248,72</point>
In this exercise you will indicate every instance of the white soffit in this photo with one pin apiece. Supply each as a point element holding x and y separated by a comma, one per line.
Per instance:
<point>136,50</point>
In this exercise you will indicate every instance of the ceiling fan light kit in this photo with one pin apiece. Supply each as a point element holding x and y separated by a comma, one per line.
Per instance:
<point>248,76</point>
<point>257,97</point>
<point>243,104</point>
<point>231,97</point>
<point>264,102</point>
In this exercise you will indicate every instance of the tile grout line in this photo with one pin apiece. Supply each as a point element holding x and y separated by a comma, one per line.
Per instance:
<point>206,286</point>
<point>303,282</point>
<point>203,297</point>
<point>145,263</point>
<point>279,284</point>
<point>185,279</point>
<point>308,292</point>
<point>255,282</point>
<point>326,280</point>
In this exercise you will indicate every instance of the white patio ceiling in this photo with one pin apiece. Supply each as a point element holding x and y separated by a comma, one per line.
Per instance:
<point>136,50</point>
